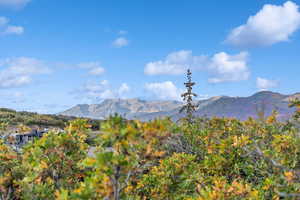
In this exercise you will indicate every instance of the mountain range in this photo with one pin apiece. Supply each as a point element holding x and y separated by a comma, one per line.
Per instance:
<point>220,106</point>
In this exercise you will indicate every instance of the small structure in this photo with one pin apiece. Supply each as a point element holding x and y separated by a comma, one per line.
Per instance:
<point>22,139</point>
<point>17,140</point>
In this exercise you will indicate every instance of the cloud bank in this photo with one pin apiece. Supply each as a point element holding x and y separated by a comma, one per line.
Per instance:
<point>164,90</point>
<point>20,71</point>
<point>272,24</point>
<point>222,66</point>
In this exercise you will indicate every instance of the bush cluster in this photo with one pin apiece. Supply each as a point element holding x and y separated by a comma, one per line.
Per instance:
<point>212,159</point>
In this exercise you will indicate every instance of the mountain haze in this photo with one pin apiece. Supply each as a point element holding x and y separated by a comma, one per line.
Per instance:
<point>221,106</point>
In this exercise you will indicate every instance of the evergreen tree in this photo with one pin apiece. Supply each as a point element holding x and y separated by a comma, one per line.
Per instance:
<point>189,108</point>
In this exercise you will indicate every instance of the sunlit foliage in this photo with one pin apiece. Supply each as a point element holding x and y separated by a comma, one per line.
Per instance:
<point>212,159</point>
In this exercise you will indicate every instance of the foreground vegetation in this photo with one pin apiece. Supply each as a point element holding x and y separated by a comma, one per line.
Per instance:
<point>208,160</point>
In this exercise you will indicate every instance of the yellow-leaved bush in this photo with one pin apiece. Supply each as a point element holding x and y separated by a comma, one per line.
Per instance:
<point>212,159</point>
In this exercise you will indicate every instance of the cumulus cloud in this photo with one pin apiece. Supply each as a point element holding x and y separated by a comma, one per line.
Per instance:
<point>175,63</point>
<point>120,42</point>
<point>102,90</point>
<point>229,68</point>
<point>265,84</point>
<point>14,3</point>
<point>124,88</point>
<point>272,24</point>
<point>222,66</point>
<point>17,72</point>
<point>94,68</point>
<point>164,90</point>
<point>7,29</point>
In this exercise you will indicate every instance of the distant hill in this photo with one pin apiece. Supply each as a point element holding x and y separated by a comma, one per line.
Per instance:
<point>14,118</point>
<point>244,107</point>
<point>222,106</point>
<point>129,108</point>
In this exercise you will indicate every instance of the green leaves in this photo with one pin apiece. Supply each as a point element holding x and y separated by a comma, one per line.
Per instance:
<point>212,159</point>
<point>52,163</point>
<point>174,178</point>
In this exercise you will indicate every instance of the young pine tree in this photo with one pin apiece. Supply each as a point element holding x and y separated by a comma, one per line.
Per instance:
<point>189,108</point>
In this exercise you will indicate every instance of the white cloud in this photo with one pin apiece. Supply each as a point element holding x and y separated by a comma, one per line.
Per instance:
<point>7,29</point>
<point>14,3</point>
<point>17,30</point>
<point>272,24</point>
<point>17,72</point>
<point>102,90</point>
<point>265,84</point>
<point>120,42</point>
<point>97,71</point>
<point>164,90</point>
<point>94,68</point>
<point>223,67</point>
<point>229,68</point>
<point>124,88</point>
<point>174,64</point>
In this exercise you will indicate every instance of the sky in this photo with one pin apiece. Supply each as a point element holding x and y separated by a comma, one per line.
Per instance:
<point>55,54</point>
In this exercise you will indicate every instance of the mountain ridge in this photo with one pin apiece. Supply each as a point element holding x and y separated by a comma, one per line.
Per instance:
<point>220,106</point>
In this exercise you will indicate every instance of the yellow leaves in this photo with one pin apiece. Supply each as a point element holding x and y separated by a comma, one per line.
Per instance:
<point>221,189</point>
<point>240,141</point>
<point>23,128</point>
<point>282,143</point>
<point>159,153</point>
<point>289,176</point>
<point>210,149</point>
<point>239,188</point>
<point>216,165</point>
<point>38,180</point>
<point>2,148</point>
<point>106,180</point>
<point>44,165</point>
<point>50,181</point>
<point>61,195</point>
<point>149,150</point>
<point>78,190</point>
<point>90,161</point>
<point>271,119</point>
<point>88,126</point>
<point>128,189</point>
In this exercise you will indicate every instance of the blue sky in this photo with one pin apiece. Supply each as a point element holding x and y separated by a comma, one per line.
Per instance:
<point>56,54</point>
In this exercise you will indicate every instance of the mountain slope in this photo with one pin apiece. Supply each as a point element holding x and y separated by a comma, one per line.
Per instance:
<point>244,107</point>
<point>222,106</point>
<point>130,108</point>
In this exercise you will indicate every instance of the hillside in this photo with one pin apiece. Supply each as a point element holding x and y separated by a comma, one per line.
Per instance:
<point>221,106</point>
<point>130,108</point>
<point>14,118</point>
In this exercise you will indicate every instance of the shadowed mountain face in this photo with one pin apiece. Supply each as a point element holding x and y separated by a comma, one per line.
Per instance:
<point>222,106</point>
